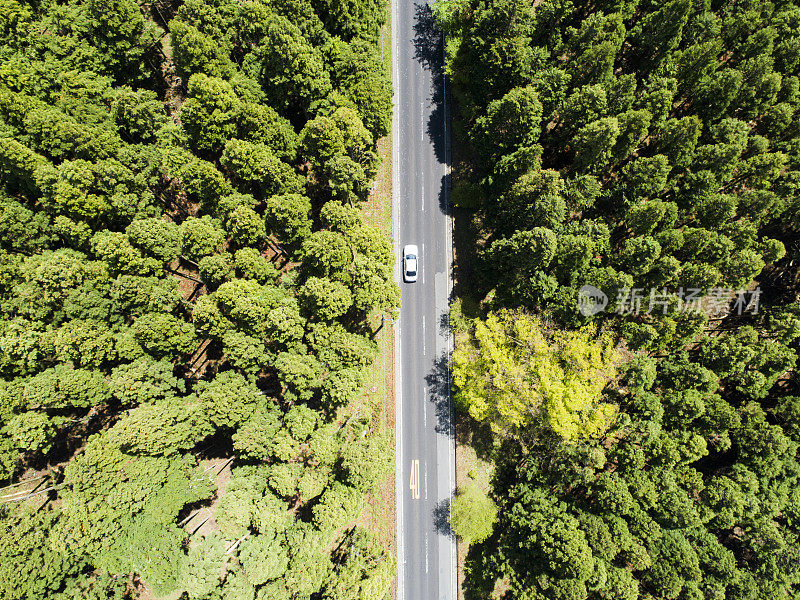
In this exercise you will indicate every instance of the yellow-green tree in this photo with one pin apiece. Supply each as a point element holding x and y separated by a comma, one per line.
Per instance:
<point>472,513</point>
<point>513,371</point>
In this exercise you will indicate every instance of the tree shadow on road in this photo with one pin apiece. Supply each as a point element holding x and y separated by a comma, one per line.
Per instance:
<point>438,381</point>
<point>428,39</point>
<point>441,518</point>
<point>429,52</point>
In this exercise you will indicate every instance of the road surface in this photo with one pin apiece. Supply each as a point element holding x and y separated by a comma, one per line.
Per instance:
<point>425,444</point>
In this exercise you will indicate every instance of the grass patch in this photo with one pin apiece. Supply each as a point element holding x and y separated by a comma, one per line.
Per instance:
<point>378,393</point>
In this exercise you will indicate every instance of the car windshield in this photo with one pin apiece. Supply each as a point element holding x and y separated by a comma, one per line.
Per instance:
<point>412,273</point>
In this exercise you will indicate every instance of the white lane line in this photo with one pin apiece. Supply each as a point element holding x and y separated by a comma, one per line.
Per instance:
<point>425,480</point>
<point>426,551</point>
<point>423,336</point>
<point>422,112</point>
<point>425,405</point>
<point>419,262</point>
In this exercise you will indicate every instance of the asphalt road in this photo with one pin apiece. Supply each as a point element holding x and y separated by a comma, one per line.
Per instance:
<point>424,429</point>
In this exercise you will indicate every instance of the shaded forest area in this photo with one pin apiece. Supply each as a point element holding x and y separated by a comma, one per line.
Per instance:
<point>628,145</point>
<point>186,279</point>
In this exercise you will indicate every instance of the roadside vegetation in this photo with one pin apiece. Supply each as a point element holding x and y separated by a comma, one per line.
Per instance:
<point>644,444</point>
<point>187,281</point>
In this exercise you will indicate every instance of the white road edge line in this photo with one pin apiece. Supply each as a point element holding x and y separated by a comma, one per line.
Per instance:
<point>398,400</point>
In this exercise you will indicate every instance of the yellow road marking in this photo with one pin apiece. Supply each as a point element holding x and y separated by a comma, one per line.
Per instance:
<point>414,482</point>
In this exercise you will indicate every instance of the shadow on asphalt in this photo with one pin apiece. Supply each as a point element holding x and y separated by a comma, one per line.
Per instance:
<point>428,40</point>
<point>441,518</point>
<point>438,382</point>
<point>429,52</point>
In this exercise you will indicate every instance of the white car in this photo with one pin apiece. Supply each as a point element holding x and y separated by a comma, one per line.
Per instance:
<point>410,259</point>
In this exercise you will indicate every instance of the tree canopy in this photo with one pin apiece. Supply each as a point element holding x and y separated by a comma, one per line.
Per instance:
<point>627,178</point>
<point>164,304</point>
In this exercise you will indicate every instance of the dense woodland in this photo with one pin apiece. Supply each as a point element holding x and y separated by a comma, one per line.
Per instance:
<point>629,144</point>
<point>186,276</point>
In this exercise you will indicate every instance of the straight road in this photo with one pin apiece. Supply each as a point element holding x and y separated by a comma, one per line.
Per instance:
<point>424,429</point>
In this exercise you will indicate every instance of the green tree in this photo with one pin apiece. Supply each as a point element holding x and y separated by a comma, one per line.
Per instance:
<point>32,431</point>
<point>258,170</point>
<point>197,53</point>
<point>163,335</point>
<point>210,112</point>
<point>144,381</point>
<point>299,375</point>
<point>245,227</point>
<point>340,217</point>
<point>638,255</point>
<point>138,114</point>
<point>367,463</point>
<point>163,428</point>
<point>263,558</point>
<point>251,264</point>
<point>260,123</point>
<point>290,69</point>
<point>648,176</point>
<point>324,299</point>
<point>86,343</point>
<point>215,269</point>
<point>359,70</point>
<point>661,30</point>
<point>373,286</point>
<point>510,123</point>
<point>121,257</point>
<point>201,237</point>
<point>199,569</point>
<point>204,184</point>
<point>30,566</point>
<point>245,353</point>
<point>255,437</point>
<point>352,19</point>
<point>287,216</point>
<point>366,569</point>
<point>338,506</point>
<point>633,128</point>
<point>228,399</point>
<point>326,253</point>
<point>472,514</point>
<point>62,387</point>
<point>21,228</point>
<point>677,139</point>
<point>594,144</point>
<point>156,237</point>
<point>321,140</point>
<point>595,46</point>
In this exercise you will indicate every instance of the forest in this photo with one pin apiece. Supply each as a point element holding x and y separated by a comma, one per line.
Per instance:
<point>642,432</point>
<point>187,277</point>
